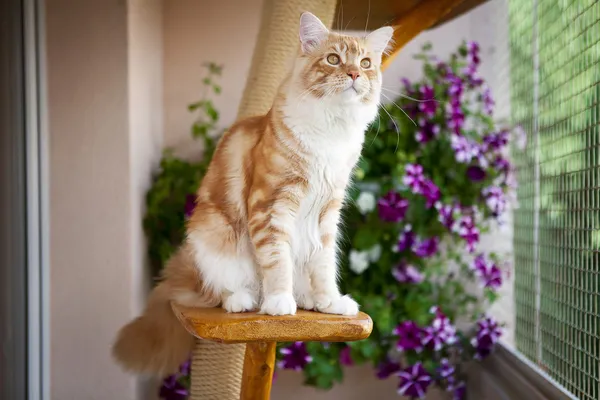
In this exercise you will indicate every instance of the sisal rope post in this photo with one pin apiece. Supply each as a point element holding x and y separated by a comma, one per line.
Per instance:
<point>216,372</point>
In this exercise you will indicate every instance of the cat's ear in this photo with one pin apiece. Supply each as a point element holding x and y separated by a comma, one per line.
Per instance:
<point>312,32</point>
<point>379,40</point>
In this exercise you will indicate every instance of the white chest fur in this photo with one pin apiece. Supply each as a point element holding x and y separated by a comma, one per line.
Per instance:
<point>333,137</point>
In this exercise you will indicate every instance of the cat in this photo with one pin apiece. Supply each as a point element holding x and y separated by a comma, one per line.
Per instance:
<point>264,228</point>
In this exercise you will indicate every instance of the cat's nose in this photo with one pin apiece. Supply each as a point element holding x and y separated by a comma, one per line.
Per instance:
<point>354,75</point>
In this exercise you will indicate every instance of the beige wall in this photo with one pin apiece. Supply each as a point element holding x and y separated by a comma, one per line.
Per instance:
<point>105,106</point>
<point>199,31</point>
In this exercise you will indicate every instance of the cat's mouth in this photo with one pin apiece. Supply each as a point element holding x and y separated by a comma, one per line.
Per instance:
<point>353,88</point>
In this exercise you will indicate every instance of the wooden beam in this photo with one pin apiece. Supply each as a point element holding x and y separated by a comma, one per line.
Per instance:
<point>422,16</point>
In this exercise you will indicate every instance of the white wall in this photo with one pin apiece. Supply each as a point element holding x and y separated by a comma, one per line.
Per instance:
<point>105,106</point>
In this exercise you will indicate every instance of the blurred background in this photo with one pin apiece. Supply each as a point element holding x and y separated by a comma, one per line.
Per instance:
<point>97,89</point>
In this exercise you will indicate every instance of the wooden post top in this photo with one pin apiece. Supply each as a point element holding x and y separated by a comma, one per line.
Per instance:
<point>217,325</point>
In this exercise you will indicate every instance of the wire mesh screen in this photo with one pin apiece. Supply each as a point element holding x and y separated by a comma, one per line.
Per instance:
<point>555,89</point>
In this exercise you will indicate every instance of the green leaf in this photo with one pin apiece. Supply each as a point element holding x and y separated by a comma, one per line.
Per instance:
<point>195,106</point>
<point>210,110</point>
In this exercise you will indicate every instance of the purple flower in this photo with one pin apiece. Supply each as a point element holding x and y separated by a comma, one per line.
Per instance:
<point>346,357</point>
<point>414,381</point>
<point>405,273</point>
<point>476,173</point>
<point>295,356</point>
<point>495,141</point>
<point>488,334</point>
<point>488,101</point>
<point>446,214</point>
<point>470,73</point>
<point>190,203</point>
<point>184,369</point>
<point>488,272</point>
<point>502,165</point>
<point>495,200</point>
<point>428,105</point>
<point>172,389</point>
<point>455,89</point>
<point>406,240</point>
<point>456,119</point>
<point>446,369</point>
<point>409,336</point>
<point>479,154</point>
<point>466,229</point>
<point>431,193</point>
<point>387,368</point>
<point>413,177</point>
<point>440,332</point>
<point>426,248</point>
<point>392,207</point>
<point>459,391</point>
<point>473,52</point>
<point>427,131</point>
<point>463,149</point>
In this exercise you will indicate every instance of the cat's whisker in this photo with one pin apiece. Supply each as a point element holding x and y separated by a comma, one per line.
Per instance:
<point>396,125</point>
<point>349,22</point>
<point>400,108</point>
<point>378,127</point>
<point>411,98</point>
<point>368,15</point>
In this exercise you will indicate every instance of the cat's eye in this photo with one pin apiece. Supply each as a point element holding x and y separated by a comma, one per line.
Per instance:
<point>333,59</point>
<point>365,63</point>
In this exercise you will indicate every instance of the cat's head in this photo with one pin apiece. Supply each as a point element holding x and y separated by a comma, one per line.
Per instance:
<point>339,67</point>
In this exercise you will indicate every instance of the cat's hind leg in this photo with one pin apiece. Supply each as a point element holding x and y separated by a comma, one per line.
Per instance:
<point>226,263</point>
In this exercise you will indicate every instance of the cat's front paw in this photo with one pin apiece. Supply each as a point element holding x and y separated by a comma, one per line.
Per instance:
<point>342,305</point>
<point>279,304</point>
<point>239,302</point>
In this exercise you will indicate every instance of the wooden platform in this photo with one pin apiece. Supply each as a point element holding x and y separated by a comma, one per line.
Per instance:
<point>216,325</point>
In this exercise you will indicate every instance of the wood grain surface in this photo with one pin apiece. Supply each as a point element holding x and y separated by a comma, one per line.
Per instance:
<point>217,325</point>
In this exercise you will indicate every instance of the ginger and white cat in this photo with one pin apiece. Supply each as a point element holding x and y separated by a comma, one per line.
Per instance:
<point>264,230</point>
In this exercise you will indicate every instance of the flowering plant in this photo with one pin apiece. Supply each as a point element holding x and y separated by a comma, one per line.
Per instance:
<point>433,177</point>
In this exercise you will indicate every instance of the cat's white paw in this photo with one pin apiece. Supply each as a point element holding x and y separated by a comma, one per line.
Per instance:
<point>239,302</point>
<point>343,305</point>
<point>305,301</point>
<point>279,304</point>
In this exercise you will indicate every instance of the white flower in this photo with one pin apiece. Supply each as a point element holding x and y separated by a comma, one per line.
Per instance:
<point>375,253</point>
<point>366,202</point>
<point>359,261</point>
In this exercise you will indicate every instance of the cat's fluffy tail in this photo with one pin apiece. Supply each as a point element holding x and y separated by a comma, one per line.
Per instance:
<point>156,343</point>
